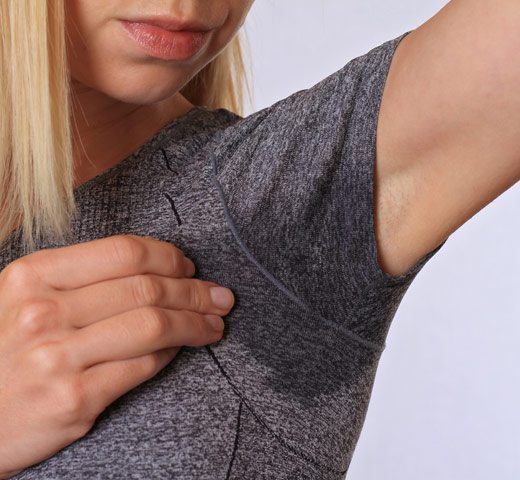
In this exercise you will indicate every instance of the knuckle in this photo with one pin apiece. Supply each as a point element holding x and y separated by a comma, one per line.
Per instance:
<point>18,273</point>
<point>150,364</point>
<point>201,329</point>
<point>155,323</point>
<point>71,401</point>
<point>80,429</point>
<point>47,359</point>
<point>127,249</point>
<point>177,261</point>
<point>147,290</point>
<point>36,316</point>
<point>195,294</point>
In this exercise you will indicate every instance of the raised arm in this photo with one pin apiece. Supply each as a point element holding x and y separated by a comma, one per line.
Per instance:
<point>448,137</point>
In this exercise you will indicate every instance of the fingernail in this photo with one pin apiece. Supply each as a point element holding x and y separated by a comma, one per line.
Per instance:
<point>221,297</point>
<point>189,267</point>
<point>215,322</point>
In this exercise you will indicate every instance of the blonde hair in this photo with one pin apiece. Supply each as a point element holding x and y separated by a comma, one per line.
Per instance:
<point>36,162</point>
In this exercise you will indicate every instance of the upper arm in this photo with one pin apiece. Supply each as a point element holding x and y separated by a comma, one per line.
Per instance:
<point>448,137</point>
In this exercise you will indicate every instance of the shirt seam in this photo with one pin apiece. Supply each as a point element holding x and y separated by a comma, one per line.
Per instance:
<point>277,283</point>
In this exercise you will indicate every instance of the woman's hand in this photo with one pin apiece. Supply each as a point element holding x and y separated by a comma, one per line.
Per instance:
<point>82,325</point>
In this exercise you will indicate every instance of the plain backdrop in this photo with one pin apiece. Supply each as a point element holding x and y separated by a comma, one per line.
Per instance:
<point>445,403</point>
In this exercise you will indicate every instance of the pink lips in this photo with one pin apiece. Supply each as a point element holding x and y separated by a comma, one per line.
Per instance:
<point>166,44</point>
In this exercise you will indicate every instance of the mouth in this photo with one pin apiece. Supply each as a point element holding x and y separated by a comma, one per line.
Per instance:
<point>172,24</point>
<point>167,38</point>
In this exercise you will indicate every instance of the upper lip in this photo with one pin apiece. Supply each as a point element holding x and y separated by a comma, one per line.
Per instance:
<point>172,24</point>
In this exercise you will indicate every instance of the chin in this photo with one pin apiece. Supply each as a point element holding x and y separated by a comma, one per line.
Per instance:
<point>138,89</point>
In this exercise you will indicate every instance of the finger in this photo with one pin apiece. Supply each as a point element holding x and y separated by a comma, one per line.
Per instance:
<point>81,264</point>
<point>140,332</point>
<point>105,382</point>
<point>86,305</point>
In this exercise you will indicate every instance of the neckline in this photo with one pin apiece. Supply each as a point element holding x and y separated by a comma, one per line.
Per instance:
<point>149,145</point>
<point>144,149</point>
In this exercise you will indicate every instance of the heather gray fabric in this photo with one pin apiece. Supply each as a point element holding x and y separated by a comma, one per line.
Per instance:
<point>278,207</point>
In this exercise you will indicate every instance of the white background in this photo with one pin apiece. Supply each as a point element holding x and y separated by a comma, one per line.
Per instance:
<point>446,401</point>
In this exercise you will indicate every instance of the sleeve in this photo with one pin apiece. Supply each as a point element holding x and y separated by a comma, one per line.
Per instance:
<point>298,180</point>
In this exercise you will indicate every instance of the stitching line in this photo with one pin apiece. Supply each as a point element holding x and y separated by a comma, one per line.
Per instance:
<point>353,336</point>
<point>170,199</point>
<point>167,161</point>
<point>175,212</point>
<point>235,446</point>
<point>298,453</point>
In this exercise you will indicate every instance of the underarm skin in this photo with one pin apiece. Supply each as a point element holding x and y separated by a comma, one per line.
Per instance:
<point>447,140</point>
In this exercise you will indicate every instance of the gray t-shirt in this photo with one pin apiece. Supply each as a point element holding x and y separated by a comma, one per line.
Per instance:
<point>276,206</point>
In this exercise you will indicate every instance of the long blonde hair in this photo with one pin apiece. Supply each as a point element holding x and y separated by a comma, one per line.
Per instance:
<point>36,162</point>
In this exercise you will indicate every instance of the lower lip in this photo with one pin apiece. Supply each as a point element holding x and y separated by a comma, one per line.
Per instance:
<point>166,44</point>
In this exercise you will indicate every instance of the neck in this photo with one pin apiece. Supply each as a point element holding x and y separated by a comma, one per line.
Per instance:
<point>106,130</point>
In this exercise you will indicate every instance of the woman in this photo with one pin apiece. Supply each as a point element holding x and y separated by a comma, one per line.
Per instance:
<point>279,206</point>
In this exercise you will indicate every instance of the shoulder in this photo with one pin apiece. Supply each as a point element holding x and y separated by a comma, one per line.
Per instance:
<point>301,171</point>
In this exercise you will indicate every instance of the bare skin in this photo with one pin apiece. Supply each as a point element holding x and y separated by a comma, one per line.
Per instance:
<point>447,145</point>
<point>101,119</point>
<point>447,139</point>
<point>82,325</point>
<point>122,96</point>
